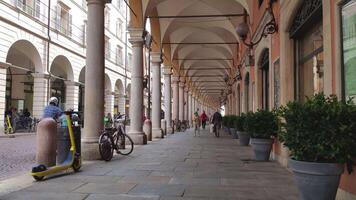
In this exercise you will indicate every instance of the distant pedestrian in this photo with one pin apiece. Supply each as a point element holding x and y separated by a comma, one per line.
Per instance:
<point>217,119</point>
<point>203,118</point>
<point>196,120</point>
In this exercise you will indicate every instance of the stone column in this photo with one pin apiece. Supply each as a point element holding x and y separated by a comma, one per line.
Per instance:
<point>167,97</point>
<point>109,102</point>
<point>136,94</point>
<point>95,88</point>
<point>156,95</point>
<point>190,110</point>
<point>186,103</point>
<point>121,103</point>
<point>40,93</point>
<point>175,83</point>
<point>181,100</point>
<point>2,97</point>
<point>72,95</point>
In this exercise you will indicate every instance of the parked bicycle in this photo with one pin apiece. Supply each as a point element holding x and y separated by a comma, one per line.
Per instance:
<point>180,126</point>
<point>115,138</point>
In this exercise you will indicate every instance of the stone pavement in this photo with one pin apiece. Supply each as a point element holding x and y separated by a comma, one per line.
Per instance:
<point>179,167</point>
<point>17,154</point>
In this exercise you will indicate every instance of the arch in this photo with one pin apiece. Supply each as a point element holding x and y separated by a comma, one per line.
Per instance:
<point>81,98</point>
<point>62,67</point>
<point>119,87</point>
<point>136,16</point>
<point>20,87</point>
<point>119,99</point>
<point>24,54</point>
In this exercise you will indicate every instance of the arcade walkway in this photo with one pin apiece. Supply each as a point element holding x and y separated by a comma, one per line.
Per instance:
<point>178,167</point>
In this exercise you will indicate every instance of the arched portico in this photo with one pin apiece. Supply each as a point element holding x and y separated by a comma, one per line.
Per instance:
<point>119,105</point>
<point>27,85</point>
<point>62,83</point>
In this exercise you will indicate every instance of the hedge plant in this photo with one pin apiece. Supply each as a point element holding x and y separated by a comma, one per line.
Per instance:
<point>323,129</point>
<point>239,122</point>
<point>262,124</point>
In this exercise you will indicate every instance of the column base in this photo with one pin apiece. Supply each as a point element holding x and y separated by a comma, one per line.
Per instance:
<point>157,133</point>
<point>169,130</point>
<point>139,138</point>
<point>147,129</point>
<point>90,151</point>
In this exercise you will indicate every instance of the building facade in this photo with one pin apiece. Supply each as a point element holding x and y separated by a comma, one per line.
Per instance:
<point>312,52</point>
<point>43,54</point>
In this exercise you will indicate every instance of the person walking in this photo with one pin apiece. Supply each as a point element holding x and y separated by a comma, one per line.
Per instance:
<point>196,120</point>
<point>217,119</point>
<point>203,118</point>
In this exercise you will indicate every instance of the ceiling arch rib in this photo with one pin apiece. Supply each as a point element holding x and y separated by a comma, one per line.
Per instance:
<point>203,65</point>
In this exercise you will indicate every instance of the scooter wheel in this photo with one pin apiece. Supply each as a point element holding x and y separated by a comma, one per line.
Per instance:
<point>38,178</point>
<point>76,165</point>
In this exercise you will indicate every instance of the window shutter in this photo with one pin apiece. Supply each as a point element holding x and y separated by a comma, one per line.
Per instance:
<point>58,18</point>
<point>70,24</point>
<point>37,8</point>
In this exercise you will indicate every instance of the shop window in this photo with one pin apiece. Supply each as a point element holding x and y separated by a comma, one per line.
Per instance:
<point>307,32</point>
<point>349,48</point>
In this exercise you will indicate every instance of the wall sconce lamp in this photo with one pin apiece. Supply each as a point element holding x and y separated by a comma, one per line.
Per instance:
<point>270,28</point>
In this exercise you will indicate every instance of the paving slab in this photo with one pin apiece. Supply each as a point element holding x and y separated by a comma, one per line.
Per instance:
<point>178,167</point>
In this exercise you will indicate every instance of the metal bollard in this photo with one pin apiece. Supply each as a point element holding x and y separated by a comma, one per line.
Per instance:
<point>46,142</point>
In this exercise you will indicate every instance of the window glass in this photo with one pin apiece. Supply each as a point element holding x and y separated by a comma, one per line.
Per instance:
<point>310,62</point>
<point>349,47</point>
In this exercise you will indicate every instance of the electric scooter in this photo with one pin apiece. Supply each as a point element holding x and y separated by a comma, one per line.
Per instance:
<point>73,158</point>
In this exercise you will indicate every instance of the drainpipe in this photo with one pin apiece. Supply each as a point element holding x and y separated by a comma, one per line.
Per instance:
<point>126,60</point>
<point>48,44</point>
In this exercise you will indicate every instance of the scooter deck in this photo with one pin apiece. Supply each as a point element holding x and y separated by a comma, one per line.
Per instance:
<point>58,168</point>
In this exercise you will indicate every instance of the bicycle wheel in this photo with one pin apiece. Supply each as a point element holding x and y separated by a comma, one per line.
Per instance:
<point>106,147</point>
<point>124,144</point>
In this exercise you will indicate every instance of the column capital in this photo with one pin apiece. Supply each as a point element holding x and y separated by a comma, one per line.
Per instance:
<point>156,57</point>
<point>182,79</point>
<point>41,75</point>
<point>136,36</point>
<point>98,2</point>
<point>175,79</point>
<point>167,70</point>
<point>186,89</point>
<point>181,84</point>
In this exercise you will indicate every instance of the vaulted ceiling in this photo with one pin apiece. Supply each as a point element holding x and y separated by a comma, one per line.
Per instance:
<point>199,38</point>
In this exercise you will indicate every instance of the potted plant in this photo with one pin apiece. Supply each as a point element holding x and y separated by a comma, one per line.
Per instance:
<point>232,127</point>
<point>225,122</point>
<point>262,126</point>
<point>241,131</point>
<point>321,137</point>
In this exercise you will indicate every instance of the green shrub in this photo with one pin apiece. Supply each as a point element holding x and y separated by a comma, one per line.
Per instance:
<point>262,124</point>
<point>322,129</point>
<point>239,122</point>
